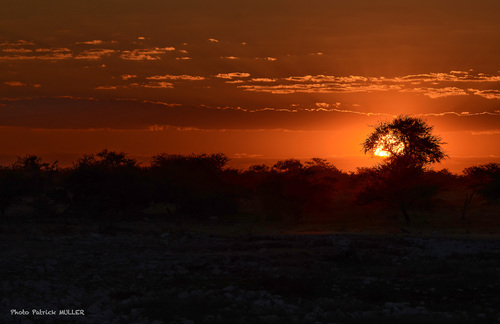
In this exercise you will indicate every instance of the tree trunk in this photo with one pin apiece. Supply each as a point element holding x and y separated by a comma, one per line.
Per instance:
<point>468,200</point>
<point>405,214</point>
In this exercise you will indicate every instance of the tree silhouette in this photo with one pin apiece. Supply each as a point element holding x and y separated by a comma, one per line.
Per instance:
<point>399,188</point>
<point>292,190</point>
<point>289,166</point>
<point>408,141</point>
<point>196,184</point>
<point>36,173</point>
<point>485,179</point>
<point>106,183</point>
<point>11,187</point>
<point>37,183</point>
<point>401,182</point>
<point>207,162</point>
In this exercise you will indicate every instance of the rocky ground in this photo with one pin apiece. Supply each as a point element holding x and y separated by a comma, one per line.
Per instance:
<point>183,277</point>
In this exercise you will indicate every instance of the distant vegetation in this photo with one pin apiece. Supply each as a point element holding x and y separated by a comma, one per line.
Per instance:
<point>110,185</point>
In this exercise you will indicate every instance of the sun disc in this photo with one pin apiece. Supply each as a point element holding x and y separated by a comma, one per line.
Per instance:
<point>388,145</point>
<point>379,151</point>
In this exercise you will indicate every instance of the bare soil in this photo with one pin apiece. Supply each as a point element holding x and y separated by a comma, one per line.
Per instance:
<point>167,274</point>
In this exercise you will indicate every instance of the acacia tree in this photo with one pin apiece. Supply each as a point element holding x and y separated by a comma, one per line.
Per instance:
<point>409,147</point>
<point>407,141</point>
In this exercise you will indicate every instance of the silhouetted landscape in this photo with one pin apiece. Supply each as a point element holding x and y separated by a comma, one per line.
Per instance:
<point>248,162</point>
<point>186,239</point>
<point>401,193</point>
<point>108,187</point>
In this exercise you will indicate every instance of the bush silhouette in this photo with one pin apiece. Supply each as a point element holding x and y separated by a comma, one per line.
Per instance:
<point>485,179</point>
<point>11,188</point>
<point>195,184</point>
<point>291,190</point>
<point>106,183</point>
<point>36,182</point>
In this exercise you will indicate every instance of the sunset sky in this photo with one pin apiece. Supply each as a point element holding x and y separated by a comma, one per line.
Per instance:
<point>256,80</point>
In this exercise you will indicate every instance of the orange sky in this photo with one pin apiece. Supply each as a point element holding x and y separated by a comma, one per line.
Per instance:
<point>257,80</point>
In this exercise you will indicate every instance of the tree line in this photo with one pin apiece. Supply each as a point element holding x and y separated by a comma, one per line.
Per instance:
<point>110,184</point>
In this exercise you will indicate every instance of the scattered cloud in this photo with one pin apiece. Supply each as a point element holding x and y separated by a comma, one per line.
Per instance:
<point>434,93</point>
<point>327,105</point>
<point>232,75</point>
<point>105,88</point>
<point>146,54</point>
<point>17,50</point>
<point>488,94</point>
<point>327,78</point>
<point>94,54</point>
<point>432,85</point>
<point>17,43</point>
<point>161,128</point>
<point>230,57</point>
<point>458,114</point>
<point>263,80</point>
<point>445,92</point>
<point>92,42</point>
<point>318,88</point>
<point>452,76</point>
<point>137,56</point>
<point>52,50</point>
<point>128,76</point>
<point>14,83</point>
<point>184,77</point>
<point>54,56</point>
<point>213,40</point>
<point>48,57</point>
<point>155,85</point>
<point>268,58</point>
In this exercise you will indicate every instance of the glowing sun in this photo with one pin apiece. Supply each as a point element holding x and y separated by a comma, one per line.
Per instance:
<point>388,145</point>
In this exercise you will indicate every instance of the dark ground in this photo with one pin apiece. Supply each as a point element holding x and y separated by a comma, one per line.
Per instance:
<point>147,272</point>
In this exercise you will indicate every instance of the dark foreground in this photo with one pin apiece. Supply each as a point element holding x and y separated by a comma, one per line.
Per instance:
<point>171,276</point>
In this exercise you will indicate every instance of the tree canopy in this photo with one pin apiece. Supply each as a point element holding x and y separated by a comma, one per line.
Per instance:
<point>407,141</point>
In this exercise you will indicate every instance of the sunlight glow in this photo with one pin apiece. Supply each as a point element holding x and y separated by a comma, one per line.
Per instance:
<point>387,146</point>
